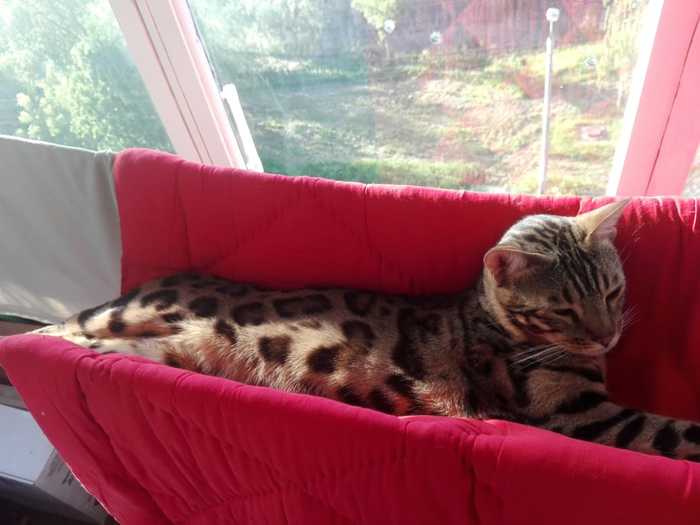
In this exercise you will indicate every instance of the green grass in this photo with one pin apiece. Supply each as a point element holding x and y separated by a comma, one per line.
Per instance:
<point>388,171</point>
<point>566,141</point>
<point>459,121</point>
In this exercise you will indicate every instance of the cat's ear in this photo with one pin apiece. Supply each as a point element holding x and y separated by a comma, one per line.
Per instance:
<point>507,264</point>
<point>601,224</point>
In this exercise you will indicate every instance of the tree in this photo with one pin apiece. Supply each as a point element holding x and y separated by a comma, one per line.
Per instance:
<point>376,12</point>
<point>77,84</point>
<point>623,23</point>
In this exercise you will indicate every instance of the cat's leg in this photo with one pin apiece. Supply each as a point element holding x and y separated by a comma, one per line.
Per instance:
<point>171,350</point>
<point>591,417</point>
<point>149,348</point>
<point>154,348</point>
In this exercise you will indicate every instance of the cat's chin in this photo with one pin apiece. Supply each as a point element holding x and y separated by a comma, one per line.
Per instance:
<point>592,349</point>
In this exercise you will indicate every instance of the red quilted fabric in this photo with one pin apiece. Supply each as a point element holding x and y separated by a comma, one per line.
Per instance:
<point>159,445</point>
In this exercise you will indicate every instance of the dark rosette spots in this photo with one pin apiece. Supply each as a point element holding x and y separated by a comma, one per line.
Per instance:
<point>594,430</point>
<point>275,349</point>
<point>116,326</point>
<point>125,299</point>
<point>692,434</point>
<point>379,401</point>
<point>162,299</point>
<point>402,385</point>
<point>233,290</point>
<point>204,306</point>
<point>299,306</point>
<point>323,359</point>
<point>415,331</point>
<point>666,439</point>
<point>630,432</point>
<point>86,315</point>
<point>346,394</point>
<point>170,360</point>
<point>174,317</point>
<point>249,314</point>
<point>584,401</point>
<point>172,280</point>
<point>225,329</point>
<point>180,278</point>
<point>360,303</point>
<point>430,302</point>
<point>358,332</point>
<point>205,283</point>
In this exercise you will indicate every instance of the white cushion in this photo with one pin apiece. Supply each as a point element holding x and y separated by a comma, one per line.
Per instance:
<point>60,244</point>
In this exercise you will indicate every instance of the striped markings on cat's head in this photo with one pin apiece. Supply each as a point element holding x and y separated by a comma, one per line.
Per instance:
<point>559,280</point>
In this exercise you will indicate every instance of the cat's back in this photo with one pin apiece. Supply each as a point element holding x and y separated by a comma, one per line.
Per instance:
<point>181,297</point>
<point>358,346</point>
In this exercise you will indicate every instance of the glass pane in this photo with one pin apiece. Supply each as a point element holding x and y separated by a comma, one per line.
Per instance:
<point>443,93</point>
<point>692,185</point>
<point>66,77</point>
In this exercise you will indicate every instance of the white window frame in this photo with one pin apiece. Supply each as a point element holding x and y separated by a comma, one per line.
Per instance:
<point>661,128</point>
<point>164,44</point>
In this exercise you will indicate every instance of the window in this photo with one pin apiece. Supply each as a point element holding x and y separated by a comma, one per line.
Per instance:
<point>428,92</point>
<point>432,92</point>
<point>66,77</point>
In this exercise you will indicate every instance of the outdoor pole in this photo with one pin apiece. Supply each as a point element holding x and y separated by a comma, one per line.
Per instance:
<point>552,16</point>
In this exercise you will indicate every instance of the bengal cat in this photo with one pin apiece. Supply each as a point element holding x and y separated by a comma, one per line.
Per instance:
<point>527,343</point>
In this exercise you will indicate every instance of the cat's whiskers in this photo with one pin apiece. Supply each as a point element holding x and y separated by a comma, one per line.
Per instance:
<point>629,316</point>
<point>539,355</point>
<point>534,350</point>
<point>555,359</point>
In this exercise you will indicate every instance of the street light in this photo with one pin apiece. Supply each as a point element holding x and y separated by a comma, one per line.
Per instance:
<point>552,16</point>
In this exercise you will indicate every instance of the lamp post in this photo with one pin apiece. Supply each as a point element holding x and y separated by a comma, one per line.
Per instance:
<point>552,16</point>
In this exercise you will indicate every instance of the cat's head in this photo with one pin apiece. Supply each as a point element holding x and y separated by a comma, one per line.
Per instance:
<point>559,280</point>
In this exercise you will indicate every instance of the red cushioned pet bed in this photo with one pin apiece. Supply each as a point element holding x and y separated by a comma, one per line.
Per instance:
<point>161,445</point>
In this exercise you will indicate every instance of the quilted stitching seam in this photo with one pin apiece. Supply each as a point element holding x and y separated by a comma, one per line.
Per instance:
<point>237,448</point>
<point>376,254</point>
<point>474,477</point>
<point>180,205</point>
<point>379,257</point>
<point>273,218</point>
<point>224,507</point>
<point>277,215</point>
<point>129,479</point>
<point>253,456</point>
<point>383,462</point>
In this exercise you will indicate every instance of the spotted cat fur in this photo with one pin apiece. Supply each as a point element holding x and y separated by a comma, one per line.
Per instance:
<point>527,343</point>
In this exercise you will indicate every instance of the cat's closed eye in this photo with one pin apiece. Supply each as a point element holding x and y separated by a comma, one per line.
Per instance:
<point>613,296</point>
<point>565,312</point>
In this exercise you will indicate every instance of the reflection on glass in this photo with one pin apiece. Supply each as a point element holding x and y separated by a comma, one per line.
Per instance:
<point>445,93</point>
<point>66,77</point>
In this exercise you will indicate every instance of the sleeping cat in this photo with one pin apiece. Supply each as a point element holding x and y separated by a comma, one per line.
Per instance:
<point>526,344</point>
